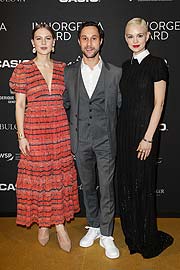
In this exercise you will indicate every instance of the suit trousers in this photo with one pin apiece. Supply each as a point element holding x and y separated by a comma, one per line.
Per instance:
<point>93,158</point>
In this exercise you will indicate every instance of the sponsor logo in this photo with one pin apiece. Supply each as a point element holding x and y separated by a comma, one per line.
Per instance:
<point>79,1</point>
<point>12,1</point>
<point>160,192</point>
<point>3,27</point>
<point>7,126</point>
<point>160,30</point>
<point>163,127</point>
<point>154,0</point>
<point>9,156</point>
<point>8,99</point>
<point>10,63</point>
<point>63,30</point>
<point>7,187</point>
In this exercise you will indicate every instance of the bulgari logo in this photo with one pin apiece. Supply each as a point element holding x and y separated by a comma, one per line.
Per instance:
<point>79,1</point>
<point>7,127</point>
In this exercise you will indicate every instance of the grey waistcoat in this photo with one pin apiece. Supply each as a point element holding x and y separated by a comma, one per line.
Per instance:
<point>92,116</point>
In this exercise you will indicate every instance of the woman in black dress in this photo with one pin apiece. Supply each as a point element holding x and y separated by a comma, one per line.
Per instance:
<point>143,87</point>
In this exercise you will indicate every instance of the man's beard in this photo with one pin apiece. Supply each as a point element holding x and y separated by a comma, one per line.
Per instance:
<point>93,55</point>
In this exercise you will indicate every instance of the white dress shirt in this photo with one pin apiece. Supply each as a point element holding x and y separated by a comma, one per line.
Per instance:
<point>90,76</point>
<point>141,55</point>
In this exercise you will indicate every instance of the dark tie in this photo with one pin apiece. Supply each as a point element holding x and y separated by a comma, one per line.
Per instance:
<point>134,61</point>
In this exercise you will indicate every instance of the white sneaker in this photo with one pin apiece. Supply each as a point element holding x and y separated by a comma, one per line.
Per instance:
<point>111,251</point>
<point>90,237</point>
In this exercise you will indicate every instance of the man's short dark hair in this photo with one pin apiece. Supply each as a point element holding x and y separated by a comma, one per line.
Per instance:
<point>91,23</point>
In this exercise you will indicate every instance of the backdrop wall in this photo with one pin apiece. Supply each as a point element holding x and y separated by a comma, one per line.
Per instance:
<point>17,19</point>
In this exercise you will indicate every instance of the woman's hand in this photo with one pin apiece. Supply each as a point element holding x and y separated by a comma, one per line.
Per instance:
<point>24,146</point>
<point>144,149</point>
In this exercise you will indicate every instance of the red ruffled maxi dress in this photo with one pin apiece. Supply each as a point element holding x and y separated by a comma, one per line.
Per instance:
<point>46,186</point>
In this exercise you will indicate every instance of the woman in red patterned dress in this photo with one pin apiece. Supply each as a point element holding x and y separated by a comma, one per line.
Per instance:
<point>46,186</point>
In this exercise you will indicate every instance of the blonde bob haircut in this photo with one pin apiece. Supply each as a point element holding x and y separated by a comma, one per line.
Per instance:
<point>137,21</point>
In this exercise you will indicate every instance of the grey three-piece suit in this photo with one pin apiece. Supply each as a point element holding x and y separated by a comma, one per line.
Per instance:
<point>93,139</point>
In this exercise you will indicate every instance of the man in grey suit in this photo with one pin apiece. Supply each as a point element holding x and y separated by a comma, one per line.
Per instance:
<point>92,95</point>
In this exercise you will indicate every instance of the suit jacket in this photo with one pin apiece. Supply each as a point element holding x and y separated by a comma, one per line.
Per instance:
<point>72,76</point>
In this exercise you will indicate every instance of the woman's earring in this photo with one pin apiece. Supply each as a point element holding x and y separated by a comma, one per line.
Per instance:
<point>34,50</point>
<point>52,50</point>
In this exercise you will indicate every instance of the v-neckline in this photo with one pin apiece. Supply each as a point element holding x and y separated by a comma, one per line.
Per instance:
<point>49,90</point>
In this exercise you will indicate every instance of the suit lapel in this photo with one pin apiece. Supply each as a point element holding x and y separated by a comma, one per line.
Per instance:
<point>106,70</point>
<point>77,76</point>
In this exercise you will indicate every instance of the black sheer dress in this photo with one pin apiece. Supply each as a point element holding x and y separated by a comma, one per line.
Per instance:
<point>137,179</point>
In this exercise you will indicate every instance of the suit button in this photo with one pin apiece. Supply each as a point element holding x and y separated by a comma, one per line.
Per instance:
<point>90,110</point>
<point>88,124</point>
<point>90,103</point>
<point>76,129</point>
<point>90,117</point>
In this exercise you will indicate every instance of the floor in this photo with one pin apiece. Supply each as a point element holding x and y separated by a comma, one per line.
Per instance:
<point>20,250</point>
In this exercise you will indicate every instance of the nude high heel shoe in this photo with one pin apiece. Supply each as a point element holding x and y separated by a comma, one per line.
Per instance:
<point>63,238</point>
<point>43,236</point>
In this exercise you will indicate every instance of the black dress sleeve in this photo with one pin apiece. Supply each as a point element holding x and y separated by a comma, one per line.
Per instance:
<point>160,70</point>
